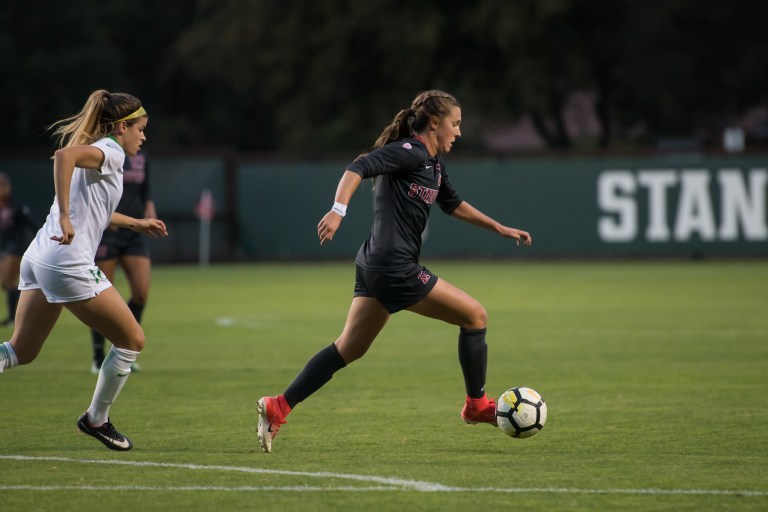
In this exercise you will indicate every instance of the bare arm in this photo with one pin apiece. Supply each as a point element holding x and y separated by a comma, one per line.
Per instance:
<point>64,162</point>
<point>150,227</point>
<point>472,215</point>
<point>149,209</point>
<point>330,223</point>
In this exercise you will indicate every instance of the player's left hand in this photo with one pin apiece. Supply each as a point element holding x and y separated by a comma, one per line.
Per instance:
<point>154,228</point>
<point>519,235</point>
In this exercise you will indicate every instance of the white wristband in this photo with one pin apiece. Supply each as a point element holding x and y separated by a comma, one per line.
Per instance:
<point>339,209</point>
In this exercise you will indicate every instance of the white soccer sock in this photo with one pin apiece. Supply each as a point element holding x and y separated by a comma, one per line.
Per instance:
<point>112,376</point>
<point>8,357</point>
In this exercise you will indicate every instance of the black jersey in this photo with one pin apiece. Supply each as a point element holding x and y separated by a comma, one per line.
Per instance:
<point>410,181</point>
<point>17,228</point>
<point>135,186</point>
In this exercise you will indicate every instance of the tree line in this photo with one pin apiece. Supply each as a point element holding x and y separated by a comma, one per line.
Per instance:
<point>307,78</point>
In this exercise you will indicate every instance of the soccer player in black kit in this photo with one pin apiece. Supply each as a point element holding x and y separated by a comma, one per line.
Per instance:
<point>406,162</point>
<point>128,248</point>
<point>17,228</point>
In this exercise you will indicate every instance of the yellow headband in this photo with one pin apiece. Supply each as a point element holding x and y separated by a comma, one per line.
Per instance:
<point>138,113</point>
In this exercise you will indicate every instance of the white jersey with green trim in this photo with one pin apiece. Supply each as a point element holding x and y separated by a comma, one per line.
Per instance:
<point>93,197</point>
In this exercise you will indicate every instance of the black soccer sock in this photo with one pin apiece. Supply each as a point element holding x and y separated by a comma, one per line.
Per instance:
<point>97,339</point>
<point>473,356</point>
<point>137,309</point>
<point>316,373</point>
<point>13,302</point>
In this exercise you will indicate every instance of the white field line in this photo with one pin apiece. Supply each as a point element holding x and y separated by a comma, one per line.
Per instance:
<point>189,488</point>
<point>389,483</point>
<point>392,482</point>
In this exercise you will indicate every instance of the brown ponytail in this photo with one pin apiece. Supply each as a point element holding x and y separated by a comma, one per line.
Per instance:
<point>409,121</point>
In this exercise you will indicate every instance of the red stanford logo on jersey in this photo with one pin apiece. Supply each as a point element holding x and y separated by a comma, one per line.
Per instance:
<point>427,195</point>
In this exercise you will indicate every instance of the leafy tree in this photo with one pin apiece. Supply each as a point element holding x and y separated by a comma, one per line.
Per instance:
<point>307,77</point>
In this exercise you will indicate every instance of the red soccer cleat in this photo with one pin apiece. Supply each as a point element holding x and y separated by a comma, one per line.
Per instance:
<point>272,411</point>
<point>479,410</point>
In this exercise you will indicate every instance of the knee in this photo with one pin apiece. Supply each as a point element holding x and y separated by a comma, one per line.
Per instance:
<point>139,298</point>
<point>138,341</point>
<point>134,341</point>
<point>477,318</point>
<point>350,352</point>
<point>25,356</point>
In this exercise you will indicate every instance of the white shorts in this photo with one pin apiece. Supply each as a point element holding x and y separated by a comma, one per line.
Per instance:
<point>62,286</point>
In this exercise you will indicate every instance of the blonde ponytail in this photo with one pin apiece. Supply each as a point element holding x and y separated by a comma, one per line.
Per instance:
<point>97,118</point>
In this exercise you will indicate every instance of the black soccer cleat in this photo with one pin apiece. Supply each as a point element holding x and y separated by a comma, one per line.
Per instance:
<point>106,433</point>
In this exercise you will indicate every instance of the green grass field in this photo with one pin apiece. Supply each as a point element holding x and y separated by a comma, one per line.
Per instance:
<point>655,375</point>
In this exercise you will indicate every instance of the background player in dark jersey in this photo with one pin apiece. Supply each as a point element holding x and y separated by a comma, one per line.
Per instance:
<point>128,248</point>
<point>17,228</point>
<point>411,176</point>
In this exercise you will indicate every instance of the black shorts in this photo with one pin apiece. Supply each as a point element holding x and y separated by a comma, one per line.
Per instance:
<point>13,248</point>
<point>122,242</point>
<point>395,289</point>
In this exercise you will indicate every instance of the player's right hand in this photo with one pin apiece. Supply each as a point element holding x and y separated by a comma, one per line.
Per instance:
<point>328,226</point>
<point>67,231</point>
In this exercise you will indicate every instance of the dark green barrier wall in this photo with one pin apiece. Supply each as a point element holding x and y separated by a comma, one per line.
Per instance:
<point>655,207</point>
<point>281,204</point>
<point>643,207</point>
<point>576,207</point>
<point>176,186</point>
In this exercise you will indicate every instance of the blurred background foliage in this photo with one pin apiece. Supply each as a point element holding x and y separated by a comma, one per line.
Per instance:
<point>307,78</point>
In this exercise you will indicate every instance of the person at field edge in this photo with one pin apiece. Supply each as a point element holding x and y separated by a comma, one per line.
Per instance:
<point>406,162</point>
<point>16,228</point>
<point>128,248</point>
<point>58,268</point>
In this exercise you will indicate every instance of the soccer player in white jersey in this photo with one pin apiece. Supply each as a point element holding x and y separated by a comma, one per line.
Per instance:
<point>58,268</point>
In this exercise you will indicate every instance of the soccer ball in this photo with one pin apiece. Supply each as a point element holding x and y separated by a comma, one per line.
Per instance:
<point>521,412</point>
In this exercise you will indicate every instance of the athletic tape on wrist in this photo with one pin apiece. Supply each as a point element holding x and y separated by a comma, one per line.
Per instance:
<point>339,208</point>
